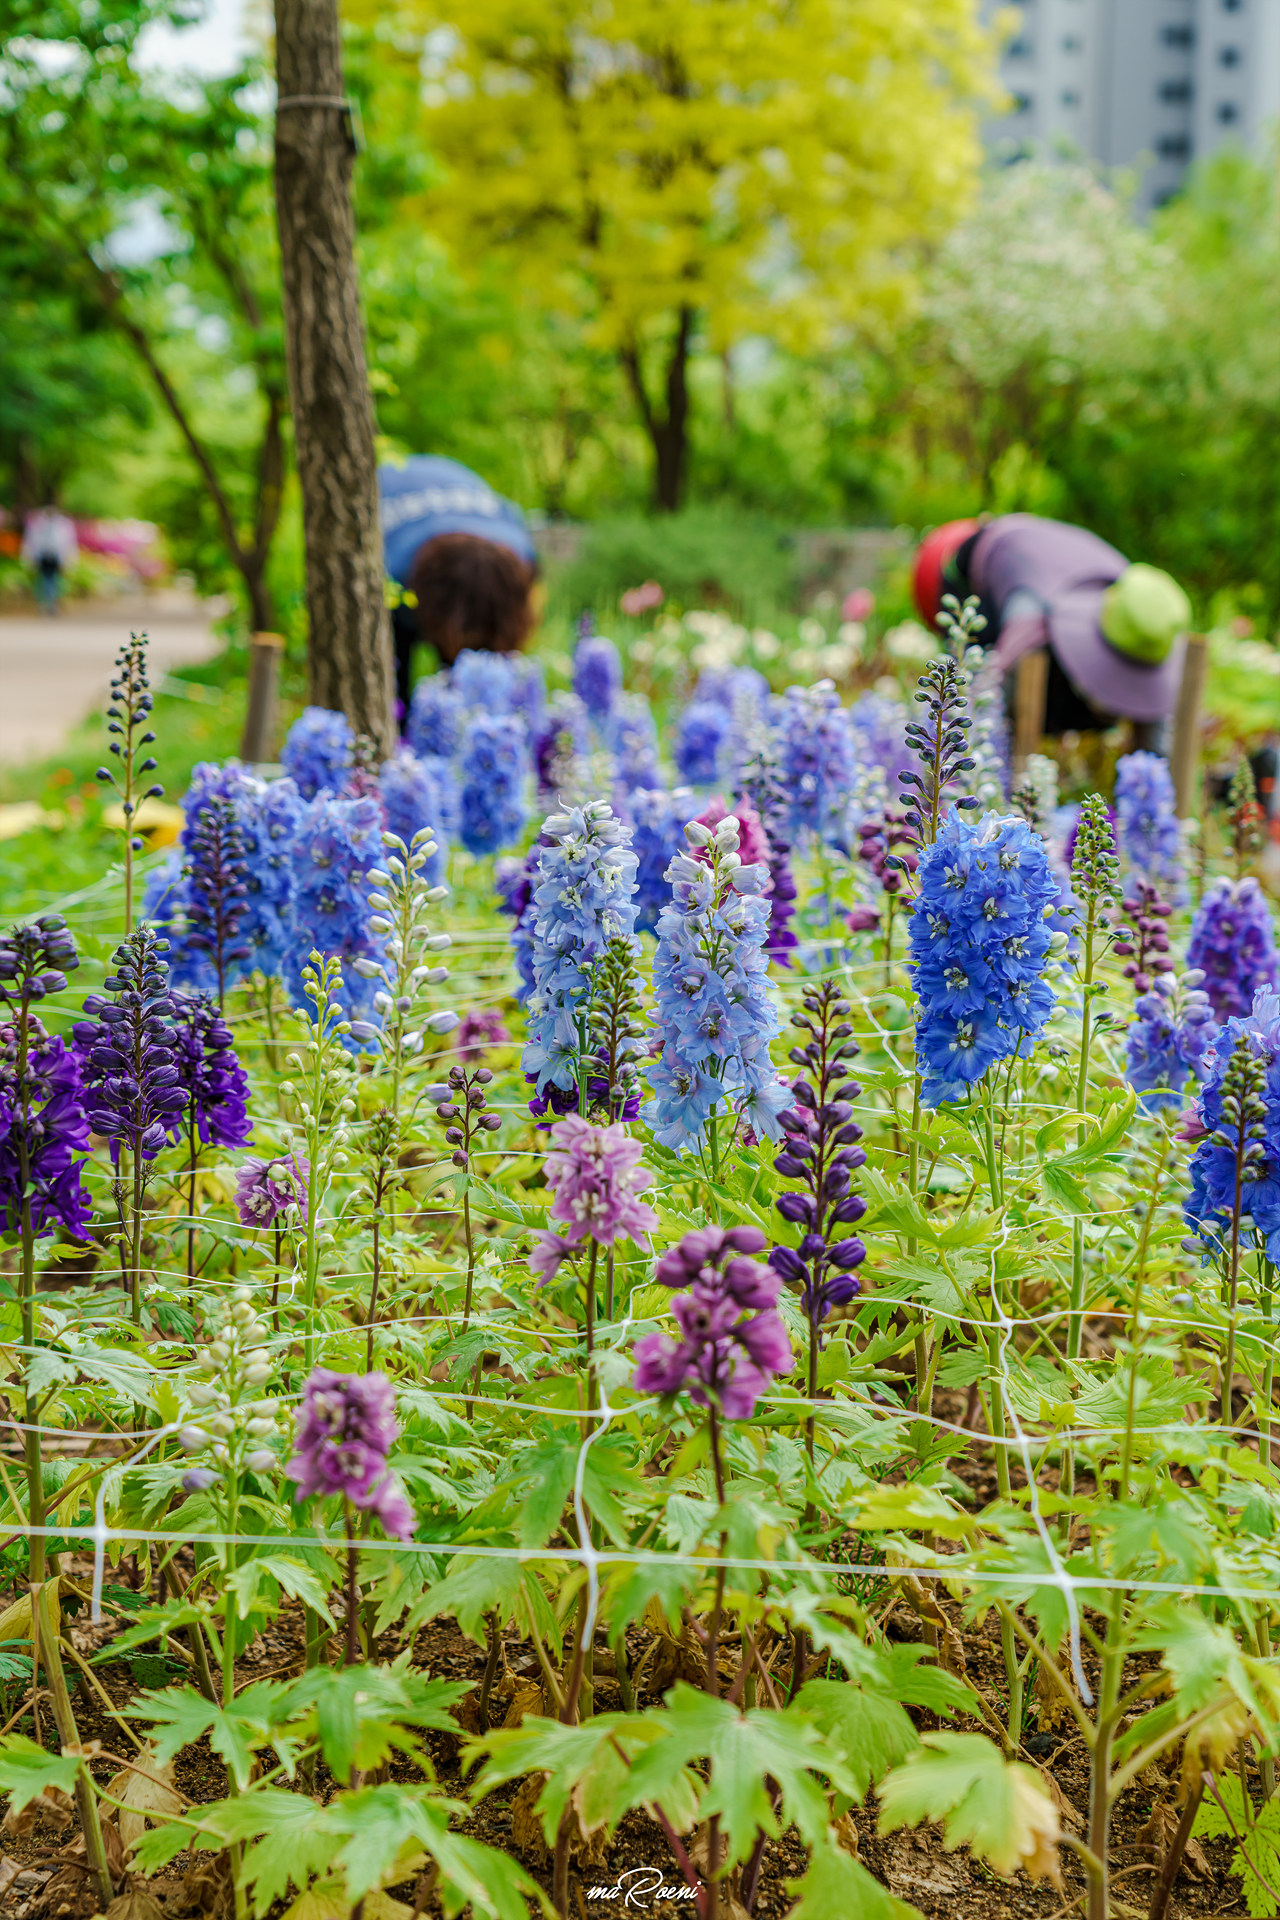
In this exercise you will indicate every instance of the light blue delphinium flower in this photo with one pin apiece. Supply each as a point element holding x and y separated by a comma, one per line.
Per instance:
<point>493,767</point>
<point>1172,1029</point>
<point>318,751</point>
<point>1150,842</point>
<point>815,746</point>
<point>582,898</point>
<point>657,835</point>
<point>436,718</point>
<point>633,740</point>
<point>979,946</point>
<point>338,840</point>
<point>715,1013</point>
<point>411,799</point>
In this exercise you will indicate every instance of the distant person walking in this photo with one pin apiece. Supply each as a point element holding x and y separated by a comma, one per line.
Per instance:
<point>464,553</point>
<point>50,549</point>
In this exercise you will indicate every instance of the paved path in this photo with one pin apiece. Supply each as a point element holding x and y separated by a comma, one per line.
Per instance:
<point>55,672</point>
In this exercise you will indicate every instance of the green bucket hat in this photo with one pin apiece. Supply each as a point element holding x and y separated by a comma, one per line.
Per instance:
<point>1143,612</point>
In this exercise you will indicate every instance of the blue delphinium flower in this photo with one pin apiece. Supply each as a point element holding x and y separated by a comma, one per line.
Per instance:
<point>817,764</point>
<point>597,676</point>
<point>339,839</point>
<point>1233,943</point>
<point>1150,843</point>
<point>492,773</point>
<point>979,944</point>
<point>733,688</point>
<point>411,799</point>
<point>657,836</point>
<point>318,751</point>
<point>561,745</point>
<point>583,890</point>
<point>528,691</point>
<point>715,1012</point>
<point>878,723</point>
<point>272,813</point>
<point>702,736</point>
<point>1172,1029</point>
<point>513,881</point>
<point>483,680</point>
<point>436,718</point>
<point>633,741</point>
<point>1210,1206</point>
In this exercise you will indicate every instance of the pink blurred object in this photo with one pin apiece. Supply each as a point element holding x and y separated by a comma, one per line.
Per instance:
<point>858,605</point>
<point>862,919</point>
<point>136,542</point>
<point>645,599</point>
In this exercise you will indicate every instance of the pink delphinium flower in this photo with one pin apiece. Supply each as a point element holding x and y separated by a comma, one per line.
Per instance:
<point>859,604</point>
<point>643,599</point>
<point>478,1030</point>
<point>733,1338</point>
<point>268,1190</point>
<point>346,1428</point>
<point>597,1179</point>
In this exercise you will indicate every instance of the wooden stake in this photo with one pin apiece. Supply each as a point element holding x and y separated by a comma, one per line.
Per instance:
<point>1031,686</point>
<point>258,741</point>
<point>1186,725</point>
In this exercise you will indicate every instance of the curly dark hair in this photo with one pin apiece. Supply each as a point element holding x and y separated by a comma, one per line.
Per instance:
<point>471,593</point>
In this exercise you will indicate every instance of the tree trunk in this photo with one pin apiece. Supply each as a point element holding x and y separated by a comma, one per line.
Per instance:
<point>668,432</point>
<point>350,634</point>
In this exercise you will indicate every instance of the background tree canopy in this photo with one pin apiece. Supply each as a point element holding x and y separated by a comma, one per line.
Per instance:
<point>591,264</point>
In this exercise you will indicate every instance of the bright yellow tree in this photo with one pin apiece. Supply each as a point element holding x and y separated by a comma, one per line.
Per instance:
<point>693,172</point>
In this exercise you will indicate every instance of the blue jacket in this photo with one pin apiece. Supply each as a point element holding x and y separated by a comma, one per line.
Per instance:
<point>426,495</point>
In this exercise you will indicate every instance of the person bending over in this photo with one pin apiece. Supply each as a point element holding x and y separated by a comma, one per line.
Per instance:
<point>465,556</point>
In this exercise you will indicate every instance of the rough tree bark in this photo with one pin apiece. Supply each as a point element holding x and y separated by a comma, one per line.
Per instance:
<point>668,430</point>
<point>350,644</point>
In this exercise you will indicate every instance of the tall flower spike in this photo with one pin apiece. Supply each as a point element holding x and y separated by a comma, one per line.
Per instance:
<point>939,741</point>
<point>597,676</point>
<point>217,874</point>
<point>413,799</point>
<point>405,975</point>
<point>657,834</point>
<point>759,781</point>
<point>583,899</point>
<point>1246,817</point>
<point>318,751</point>
<point>815,748</point>
<point>702,735</point>
<point>127,1049</point>
<point>215,1085</point>
<point>732,1340</point>
<point>44,1134</point>
<point>346,1429</point>
<point>436,720</point>
<point>597,1179</point>
<point>617,1026</point>
<point>1144,942</point>
<point>1150,841</point>
<point>493,769</point>
<point>1235,1169</point>
<point>1232,942</point>
<point>128,712</point>
<point>633,741</point>
<point>1171,1032</point>
<point>979,945</point>
<point>339,840</point>
<point>715,1014</point>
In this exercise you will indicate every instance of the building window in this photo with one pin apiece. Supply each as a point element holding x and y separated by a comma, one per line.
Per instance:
<point>1174,90</point>
<point>1174,146</point>
<point>1178,36</point>
<point>1228,112</point>
<point>1229,56</point>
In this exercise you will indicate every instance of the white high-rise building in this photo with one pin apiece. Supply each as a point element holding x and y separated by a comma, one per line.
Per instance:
<point>1147,84</point>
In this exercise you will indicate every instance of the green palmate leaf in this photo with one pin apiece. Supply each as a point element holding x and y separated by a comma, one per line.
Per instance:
<point>883,1509</point>
<point>1202,1659</point>
<point>362,1714</point>
<point>997,1808</point>
<point>837,1885</point>
<point>596,1763</point>
<point>868,1727</point>
<point>928,1281</point>
<point>379,1826</point>
<point>1063,1186</point>
<point>545,1475</point>
<point>151,1622</point>
<point>471,1589</point>
<point>180,1716</point>
<point>1161,1396</point>
<point>278,1573</point>
<point>26,1770</point>
<point>1256,1858</point>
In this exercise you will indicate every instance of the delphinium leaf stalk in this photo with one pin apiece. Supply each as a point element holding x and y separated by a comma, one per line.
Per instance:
<point>325,1104</point>
<point>381,1146</point>
<point>133,1090</point>
<point>128,713</point>
<point>44,1135</point>
<point>822,1153</point>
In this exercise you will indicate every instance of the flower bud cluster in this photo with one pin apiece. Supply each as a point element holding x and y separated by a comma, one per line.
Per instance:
<point>232,1420</point>
<point>35,960</point>
<point>460,1104</point>
<point>402,898</point>
<point>1144,942</point>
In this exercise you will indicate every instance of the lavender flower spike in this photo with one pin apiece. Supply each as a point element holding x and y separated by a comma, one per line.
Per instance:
<point>269,1191</point>
<point>597,1179</point>
<point>346,1428</point>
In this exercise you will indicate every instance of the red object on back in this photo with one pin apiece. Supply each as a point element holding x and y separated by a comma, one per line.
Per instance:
<point>931,557</point>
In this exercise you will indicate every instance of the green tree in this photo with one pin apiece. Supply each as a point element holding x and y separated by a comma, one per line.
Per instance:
<point>678,176</point>
<point>151,209</point>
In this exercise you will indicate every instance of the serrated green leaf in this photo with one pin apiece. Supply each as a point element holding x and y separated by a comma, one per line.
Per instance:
<point>997,1808</point>
<point>837,1884</point>
<point>287,1575</point>
<point>868,1727</point>
<point>26,1770</point>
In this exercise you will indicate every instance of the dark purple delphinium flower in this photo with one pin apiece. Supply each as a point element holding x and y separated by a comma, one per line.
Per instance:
<point>478,1030</point>
<point>217,889</point>
<point>822,1153</point>
<point>127,1051</point>
<point>269,1191</point>
<point>209,1072</point>
<point>513,880</point>
<point>1233,944</point>
<point>760,784</point>
<point>43,1129</point>
<point>558,1101</point>
<point>1144,942</point>
<point>563,739</point>
<point>346,1428</point>
<point>732,1338</point>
